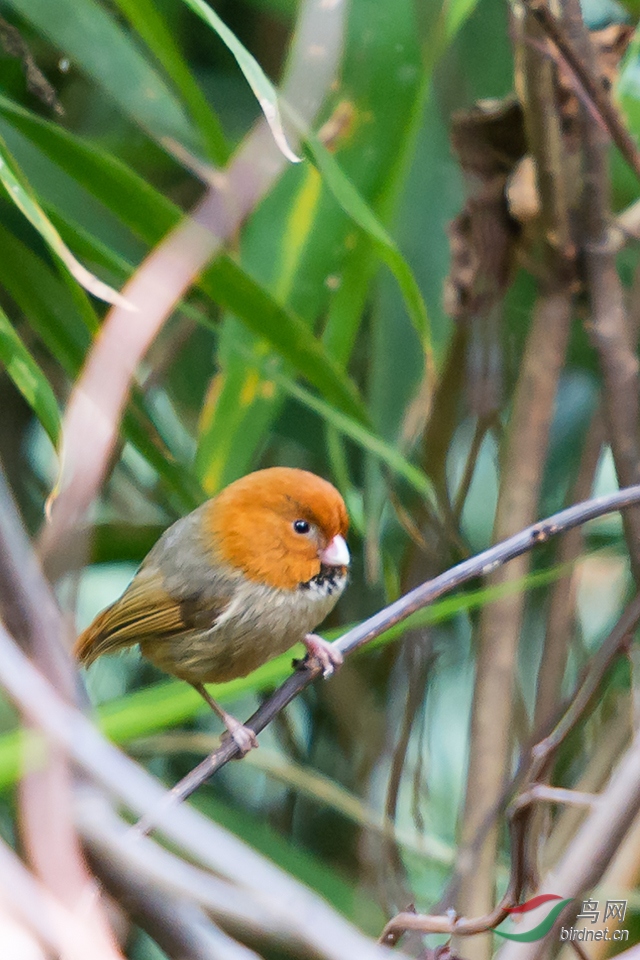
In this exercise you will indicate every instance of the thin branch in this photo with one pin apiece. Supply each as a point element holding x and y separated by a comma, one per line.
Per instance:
<point>483,425</point>
<point>608,324</point>
<point>413,601</point>
<point>37,83</point>
<point>570,798</point>
<point>67,933</point>
<point>454,925</point>
<point>562,612</point>
<point>522,810</point>
<point>591,84</point>
<point>618,638</point>
<point>328,936</point>
<point>593,846</point>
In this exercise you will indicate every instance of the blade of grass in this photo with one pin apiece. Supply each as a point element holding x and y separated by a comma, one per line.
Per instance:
<point>29,379</point>
<point>262,87</point>
<point>146,19</point>
<point>360,212</point>
<point>104,51</point>
<point>20,195</point>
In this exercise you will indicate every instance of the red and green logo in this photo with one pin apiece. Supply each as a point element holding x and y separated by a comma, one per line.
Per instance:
<point>543,928</point>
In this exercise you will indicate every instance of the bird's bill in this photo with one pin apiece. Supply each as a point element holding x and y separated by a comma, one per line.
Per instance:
<point>336,553</point>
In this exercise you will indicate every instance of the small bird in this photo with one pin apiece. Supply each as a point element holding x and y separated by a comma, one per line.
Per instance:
<point>236,582</point>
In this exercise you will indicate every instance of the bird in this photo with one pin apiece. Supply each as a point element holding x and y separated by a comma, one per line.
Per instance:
<point>237,581</point>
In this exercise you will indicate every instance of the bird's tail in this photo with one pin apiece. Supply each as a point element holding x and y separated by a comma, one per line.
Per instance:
<point>99,638</point>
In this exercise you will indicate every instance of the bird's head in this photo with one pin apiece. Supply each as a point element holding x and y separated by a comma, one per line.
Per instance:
<point>279,526</point>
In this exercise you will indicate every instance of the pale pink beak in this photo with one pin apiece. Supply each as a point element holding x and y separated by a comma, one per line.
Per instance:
<point>336,554</point>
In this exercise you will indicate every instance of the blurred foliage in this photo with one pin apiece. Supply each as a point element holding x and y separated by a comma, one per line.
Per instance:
<point>298,346</point>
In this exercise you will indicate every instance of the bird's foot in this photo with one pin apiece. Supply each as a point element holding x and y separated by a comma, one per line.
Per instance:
<point>243,737</point>
<point>325,653</point>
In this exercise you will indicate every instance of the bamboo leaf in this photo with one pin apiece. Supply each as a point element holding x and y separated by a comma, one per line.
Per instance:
<point>29,378</point>
<point>32,210</point>
<point>356,207</point>
<point>456,12</point>
<point>262,87</point>
<point>233,288</point>
<point>146,18</point>
<point>104,51</point>
<point>360,434</point>
<point>151,215</point>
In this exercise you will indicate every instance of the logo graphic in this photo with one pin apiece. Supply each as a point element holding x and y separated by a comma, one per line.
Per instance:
<point>543,928</point>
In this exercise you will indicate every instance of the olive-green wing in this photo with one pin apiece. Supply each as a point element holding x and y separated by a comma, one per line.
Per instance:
<point>146,611</point>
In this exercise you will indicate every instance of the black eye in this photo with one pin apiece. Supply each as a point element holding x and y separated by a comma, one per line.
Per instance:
<point>301,526</point>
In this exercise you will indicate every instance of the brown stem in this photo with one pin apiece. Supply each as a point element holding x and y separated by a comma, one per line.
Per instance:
<point>618,638</point>
<point>610,330</point>
<point>593,846</point>
<point>492,713</point>
<point>522,810</point>
<point>562,605</point>
<point>455,925</point>
<point>524,458</point>
<point>47,830</point>
<point>589,80</point>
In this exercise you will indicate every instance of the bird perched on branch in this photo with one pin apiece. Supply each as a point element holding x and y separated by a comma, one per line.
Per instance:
<point>236,582</point>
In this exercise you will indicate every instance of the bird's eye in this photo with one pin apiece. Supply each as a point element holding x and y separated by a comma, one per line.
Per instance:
<point>301,526</point>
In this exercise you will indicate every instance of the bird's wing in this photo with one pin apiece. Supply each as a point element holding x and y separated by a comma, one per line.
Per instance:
<point>147,611</point>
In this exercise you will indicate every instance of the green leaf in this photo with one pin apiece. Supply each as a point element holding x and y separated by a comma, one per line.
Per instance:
<point>29,206</point>
<point>145,17</point>
<point>356,207</point>
<point>456,12</point>
<point>262,87</point>
<point>29,378</point>
<point>151,215</point>
<point>237,412</point>
<point>146,211</point>
<point>348,305</point>
<point>364,437</point>
<point>45,302</point>
<point>231,286</point>
<point>53,313</point>
<point>103,50</point>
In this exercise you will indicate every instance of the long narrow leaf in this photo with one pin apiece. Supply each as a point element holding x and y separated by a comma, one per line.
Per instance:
<point>149,214</point>
<point>29,378</point>
<point>96,43</point>
<point>146,18</point>
<point>32,210</point>
<point>254,75</point>
<point>360,434</point>
<point>355,206</point>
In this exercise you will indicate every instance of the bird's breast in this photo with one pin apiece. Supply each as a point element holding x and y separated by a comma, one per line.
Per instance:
<point>259,622</point>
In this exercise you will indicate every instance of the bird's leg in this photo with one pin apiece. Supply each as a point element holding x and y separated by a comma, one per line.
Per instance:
<point>244,738</point>
<point>324,652</point>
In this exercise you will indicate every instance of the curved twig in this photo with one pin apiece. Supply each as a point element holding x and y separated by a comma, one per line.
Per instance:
<point>478,566</point>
